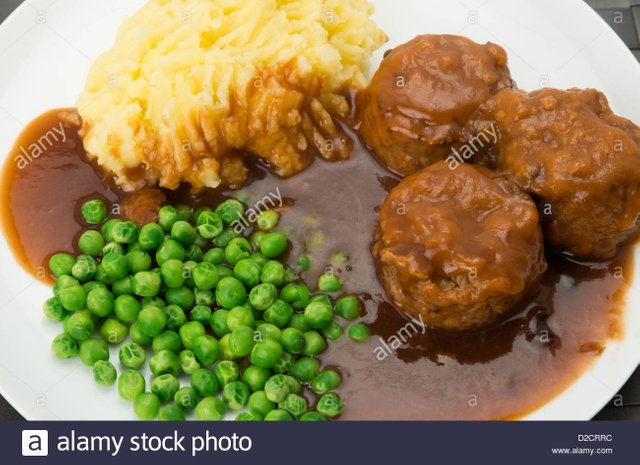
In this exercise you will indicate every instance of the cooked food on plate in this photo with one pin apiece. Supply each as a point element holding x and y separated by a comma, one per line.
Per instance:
<point>422,95</point>
<point>456,236</point>
<point>191,89</point>
<point>459,247</point>
<point>576,157</point>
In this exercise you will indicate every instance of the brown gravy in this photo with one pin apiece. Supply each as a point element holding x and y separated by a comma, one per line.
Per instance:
<point>399,373</point>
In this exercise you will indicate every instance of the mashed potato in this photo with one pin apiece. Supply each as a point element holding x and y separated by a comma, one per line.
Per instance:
<point>192,88</point>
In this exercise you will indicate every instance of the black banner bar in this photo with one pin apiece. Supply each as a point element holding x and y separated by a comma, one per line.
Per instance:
<point>323,443</point>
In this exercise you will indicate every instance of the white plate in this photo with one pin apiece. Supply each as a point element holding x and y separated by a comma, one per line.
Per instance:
<point>47,46</point>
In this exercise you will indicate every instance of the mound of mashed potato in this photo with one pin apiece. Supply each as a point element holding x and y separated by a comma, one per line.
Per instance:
<point>192,88</point>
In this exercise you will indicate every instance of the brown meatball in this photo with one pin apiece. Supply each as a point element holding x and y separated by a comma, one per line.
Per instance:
<point>458,248</point>
<point>422,94</point>
<point>575,156</point>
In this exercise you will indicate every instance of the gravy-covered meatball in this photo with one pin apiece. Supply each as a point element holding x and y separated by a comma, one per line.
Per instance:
<point>458,248</point>
<point>422,95</point>
<point>575,156</point>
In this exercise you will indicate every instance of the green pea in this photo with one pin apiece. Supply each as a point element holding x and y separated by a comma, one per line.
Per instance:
<point>167,217</point>
<point>266,353</point>
<point>207,349</point>
<point>305,369</point>
<point>205,276</point>
<point>227,371</point>
<point>292,340</point>
<point>260,403</point>
<point>318,315</point>
<point>222,239</point>
<point>73,297</point>
<point>91,243</point>
<point>248,416</point>
<point>209,224</point>
<point>230,211</point>
<point>312,416</point>
<point>295,295</point>
<point>139,337</point>
<point>274,244</point>
<point>215,256</point>
<point>193,253</point>
<point>279,314</point>
<point>329,282</point>
<point>54,310</point>
<point>185,212</point>
<point>131,355</point>
<point>230,292</point>
<point>107,228</point>
<point>146,405</point>
<point>92,350</point>
<point>273,273</point>
<point>295,404</point>
<point>239,316</point>
<point>188,362</point>
<point>348,307</point>
<point>100,302</point>
<point>277,388</point>
<point>165,387</point>
<point>138,261</point>
<point>64,346</point>
<point>248,272</point>
<point>284,363</point>
<point>298,322</point>
<point>267,331</point>
<point>278,415</point>
<point>115,265</point>
<point>126,308</point>
<point>358,332</point>
<point>186,398</point>
<point>235,395</point>
<point>104,373</point>
<point>268,220</point>
<point>113,247</point>
<point>181,296</point>
<point>165,362</point>
<point>256,377</point>
<point>125,232</point>
<point>263,296</point>
<point>224,271</point>
<point>80,326</point>
<point>218,322</point>
<point>169,250</point>
<point>175,317</point>
<point>171,412</point>
<point>93,211</point>
<point>333,331</point>
<point>151,321</point>
<point>210,409</point>
<point>256,237</point>
<point>151,236</point>
<point>122,286</point>
<point>146,283</point>
<point>205,298</point>
<point>201,314</point>
<point>241,341</point>
<point>304,263</point>
<point>330,405</point>
<point>113,331</point>
<point>183,233</point>
<point>85,268</point>
<point>153,301</point>
<point>314,343</point>
<point>205,382</point>
<point>63,282</point>
<point>325,381</point>
<point>259,259</point>
<point>91,285</point>
<point>237,249</point>
<point>189,332</point>
<point>167,340</point>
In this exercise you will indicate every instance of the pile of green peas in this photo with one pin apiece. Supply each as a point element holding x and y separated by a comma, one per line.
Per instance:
<point>222,323</point>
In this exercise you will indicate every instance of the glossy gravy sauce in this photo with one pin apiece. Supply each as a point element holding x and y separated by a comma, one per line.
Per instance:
<point>402,371</point>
